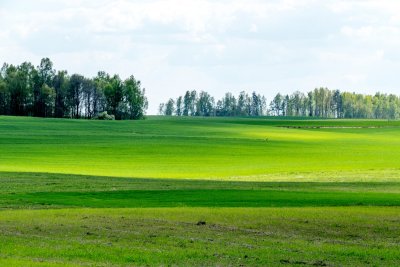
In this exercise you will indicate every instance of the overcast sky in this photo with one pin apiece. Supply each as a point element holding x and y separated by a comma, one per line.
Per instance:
<point>217,46</point>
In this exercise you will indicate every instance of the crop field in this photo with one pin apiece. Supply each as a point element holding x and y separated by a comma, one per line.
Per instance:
<point>199,191</point>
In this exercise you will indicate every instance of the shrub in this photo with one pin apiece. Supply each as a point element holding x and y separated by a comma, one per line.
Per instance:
<point>104,116</point>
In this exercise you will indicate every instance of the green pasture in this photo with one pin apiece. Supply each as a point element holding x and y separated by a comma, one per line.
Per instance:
<point>355,236</point>
<point>42,191</point>
<point>208,148</point>
<point>199,191</point>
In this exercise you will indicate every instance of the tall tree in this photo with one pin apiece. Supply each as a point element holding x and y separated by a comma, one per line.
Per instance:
<point>113,93</point>
<point>75,95</point>
<point>186,103</point>
<point>205,104</point>
<point>169,107</point>
<point>276,104</point>
<point>241,104</point>
<point>193,100</point>
<point>44,76</point>
<point>88,96</point>
<point>179,106</point>
<point>134,98</point>
<point>337,100</point>
<point>4,97</point>
<point>48,95</point>
<point>229,105</point>
<point>61,83</point>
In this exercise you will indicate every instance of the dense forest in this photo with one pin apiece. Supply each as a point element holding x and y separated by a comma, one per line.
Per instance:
<point>321,102</point>
<point>42,91</point>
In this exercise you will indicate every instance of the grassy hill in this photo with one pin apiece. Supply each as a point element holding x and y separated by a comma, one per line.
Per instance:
<point>199,191</point>
<point>207,148</point>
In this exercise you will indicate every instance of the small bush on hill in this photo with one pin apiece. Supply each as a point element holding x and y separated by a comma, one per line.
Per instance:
<point>104,116</point>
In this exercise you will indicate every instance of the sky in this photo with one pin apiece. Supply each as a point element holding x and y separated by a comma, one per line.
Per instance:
<point>217,46</point>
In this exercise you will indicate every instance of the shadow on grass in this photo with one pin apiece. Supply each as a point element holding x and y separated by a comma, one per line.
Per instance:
<point>63,190</point>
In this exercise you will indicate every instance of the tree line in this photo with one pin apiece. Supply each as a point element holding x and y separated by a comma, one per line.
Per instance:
<point>320,102</point>
<point>325,103</point>
<point>42,91</point>
<point>193,103</point>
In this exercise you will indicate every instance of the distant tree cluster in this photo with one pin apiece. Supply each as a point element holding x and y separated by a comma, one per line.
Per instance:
<point>321,102</point>
<point>325,103</point>
<point>42,91</point>
<point>203,104</point>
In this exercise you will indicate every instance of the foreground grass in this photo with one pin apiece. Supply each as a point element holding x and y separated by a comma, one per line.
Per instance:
<point>246,223</point>
<point>169,236</point>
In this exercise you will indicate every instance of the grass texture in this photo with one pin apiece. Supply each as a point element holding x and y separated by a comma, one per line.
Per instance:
<point>199,192</point>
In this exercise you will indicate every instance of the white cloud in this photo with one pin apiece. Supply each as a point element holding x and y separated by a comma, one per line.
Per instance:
<point>368,33</point>
<point>176,45</point>
<point>253,28</point>
<point>380,54</point>
<point>355,78</point>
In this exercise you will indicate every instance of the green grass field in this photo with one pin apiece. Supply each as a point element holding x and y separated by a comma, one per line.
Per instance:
<point>270,191</point>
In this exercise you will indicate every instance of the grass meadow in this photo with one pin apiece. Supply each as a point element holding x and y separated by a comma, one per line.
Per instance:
<point>199,191</point>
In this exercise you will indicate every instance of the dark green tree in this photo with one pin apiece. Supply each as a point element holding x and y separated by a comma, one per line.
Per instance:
<point>134,98</point>
<point>61,84</point>
<point>75,95</point>
<point>169,107</point>
<point>113,93</point>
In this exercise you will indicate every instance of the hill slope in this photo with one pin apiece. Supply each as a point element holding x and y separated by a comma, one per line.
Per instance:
<point>199,191</point>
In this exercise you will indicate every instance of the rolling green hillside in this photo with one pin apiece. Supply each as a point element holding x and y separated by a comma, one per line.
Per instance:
<point>212,148</point>
<point>199,191</point>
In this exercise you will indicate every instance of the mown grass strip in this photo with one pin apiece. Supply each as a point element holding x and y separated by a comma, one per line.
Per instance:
<point>199,198</point>
<point>14,182</point>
